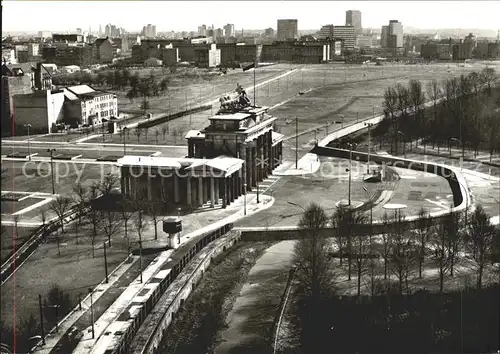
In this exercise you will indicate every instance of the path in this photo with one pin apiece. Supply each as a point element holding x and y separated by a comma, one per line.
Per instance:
<point>254,310</point>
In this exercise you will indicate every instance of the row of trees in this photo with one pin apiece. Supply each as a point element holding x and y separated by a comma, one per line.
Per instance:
<point>398,251</point>
<point>106,212</point>
<point>402,252</point>
<point>115,79</point>
<point>162,131</point>
<point>467,112</point>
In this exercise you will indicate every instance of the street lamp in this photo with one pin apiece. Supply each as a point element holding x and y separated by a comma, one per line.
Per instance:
<point>370,200</point>
<point>125,129</point>
<point>51,152</point>
<point>28,126</point>
<point>466,189</point>
<point>351,146</point>
<point>245,200</point>
<point>92,312</point>
<point>369,125</point>
<point>404,142</point>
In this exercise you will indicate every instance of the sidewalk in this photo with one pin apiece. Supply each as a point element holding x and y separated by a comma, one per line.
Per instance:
<point>109,299</point>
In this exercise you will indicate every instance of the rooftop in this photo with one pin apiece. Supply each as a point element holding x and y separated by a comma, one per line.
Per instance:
<point>231,116</point>
<point>223,163</point>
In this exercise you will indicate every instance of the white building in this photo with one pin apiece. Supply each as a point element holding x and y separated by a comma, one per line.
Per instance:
<point>229,30</point>
<point>84,105</point>
<point>214,56</point>
<point>9,56</point>
<point>70,69</point>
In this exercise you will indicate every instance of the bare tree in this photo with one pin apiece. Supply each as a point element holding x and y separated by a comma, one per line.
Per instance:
<point>402,254</point>
<point>153,211</point>
<point>434,92</point>
<point>80,200</point>
<point>107,188</point>
<point>127,211</point>
<point>481,235</point>
<point>386,241</point>
<point>157,134</point>
<point>488,77</point>
<point>344,221</point>
<point>108,223</point>
<point>138,132</point>
<point>92,214</point>
<point>441,254</point>
<point>417,99</point>
<point>61,205</point>
<point>423,231</point>
<point>164,130</point>
<point>451,223</point>
<point>140,224</point>
<point>313,263</point>
<point>362,246</point>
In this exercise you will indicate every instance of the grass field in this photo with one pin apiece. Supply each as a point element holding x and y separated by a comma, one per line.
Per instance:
<point>11,239</point>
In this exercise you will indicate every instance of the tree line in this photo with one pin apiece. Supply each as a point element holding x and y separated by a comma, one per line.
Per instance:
<point>118,79</point>
<point>390,305</point>
<point>464,108</point>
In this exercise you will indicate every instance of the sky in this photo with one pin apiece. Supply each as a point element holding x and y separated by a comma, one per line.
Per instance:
<point>30,16</point>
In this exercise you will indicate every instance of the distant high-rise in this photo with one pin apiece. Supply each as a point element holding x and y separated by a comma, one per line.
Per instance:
<point>396,30</point>
<point>100,30</point>
<point>269,32</point>
<point>326,31</point>
<point>79,31</point>
<point>149,31</point>
<point>202,30</point>
<point>353,18</point>
<point>346,34</point>
<point>384,36</point>
<point>287,29</point>
<point>229,30</point>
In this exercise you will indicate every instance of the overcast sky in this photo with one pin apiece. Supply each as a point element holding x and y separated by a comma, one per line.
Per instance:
<point>188,15</point>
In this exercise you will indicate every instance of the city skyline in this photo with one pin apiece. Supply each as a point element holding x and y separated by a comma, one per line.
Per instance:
<point>133,15</point>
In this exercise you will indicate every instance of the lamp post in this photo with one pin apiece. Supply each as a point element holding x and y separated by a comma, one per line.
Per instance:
<point>369,125</point>
<point>245,200</point>
<point>465,187</point>
<point>51,152</point>
<point>296,143</point>
<point>404,142</point>
<point>92,312</point>
<point>370,200</point>
<point>125,130</point>
<point>351,146</point>
<point>28,126</point>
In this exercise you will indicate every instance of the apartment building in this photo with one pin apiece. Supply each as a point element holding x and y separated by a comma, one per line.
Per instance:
<point>86,106</point>
<point>287,29</point>
<point>346,34</point>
